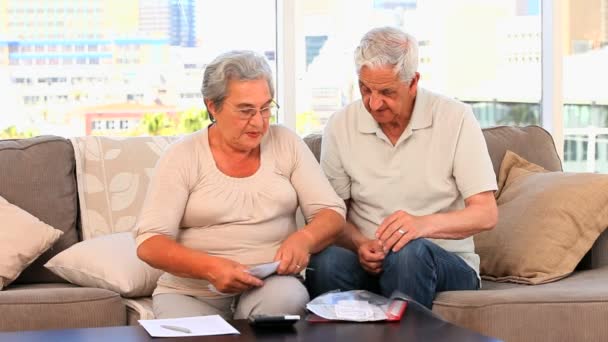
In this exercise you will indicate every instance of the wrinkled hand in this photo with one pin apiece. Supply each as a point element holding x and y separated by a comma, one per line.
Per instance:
<point>294,253</point>
<point>231,277</point>
<point>398,229</point>
<point>371,255</point>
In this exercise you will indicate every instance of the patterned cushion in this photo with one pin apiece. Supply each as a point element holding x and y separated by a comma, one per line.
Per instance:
<point>113,175</point>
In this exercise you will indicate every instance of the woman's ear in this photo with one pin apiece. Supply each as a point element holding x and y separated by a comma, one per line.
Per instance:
<point>211,109</point>
<point>210,106</point>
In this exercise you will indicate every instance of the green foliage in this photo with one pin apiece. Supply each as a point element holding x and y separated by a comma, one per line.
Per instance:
<point>307,122</point>
<point>157,124</point>
<point>192,120</point>
<point>188,121</point>
<point>11,132</point>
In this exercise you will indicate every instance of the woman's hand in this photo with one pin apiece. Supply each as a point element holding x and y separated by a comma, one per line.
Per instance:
<point>231,277</point>
<point>294,253</point>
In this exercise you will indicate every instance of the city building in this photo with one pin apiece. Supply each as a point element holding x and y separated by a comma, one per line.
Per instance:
<point>155,18</point>
<point>182,23</point>
<point>59,56</point>
<point>120,119</point>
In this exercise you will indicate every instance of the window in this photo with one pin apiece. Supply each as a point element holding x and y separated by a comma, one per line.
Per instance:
<point>496,69</point>
<point>585,107</point>
<point>119,54</point>
<point>450,58</point>
<point>96,125</point>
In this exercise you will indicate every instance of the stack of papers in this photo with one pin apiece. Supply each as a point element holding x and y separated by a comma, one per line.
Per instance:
<point>358,306</point>
<point>188,326</point>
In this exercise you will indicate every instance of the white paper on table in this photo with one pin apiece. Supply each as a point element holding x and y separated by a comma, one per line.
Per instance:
<point>260,271</point>
<point>198,326</point>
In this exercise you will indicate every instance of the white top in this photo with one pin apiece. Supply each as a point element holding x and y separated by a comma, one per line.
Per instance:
<point>439,160</point>
<point>241,219</point>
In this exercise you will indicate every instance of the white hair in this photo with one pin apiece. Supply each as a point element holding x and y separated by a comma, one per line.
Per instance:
<point>388,46</point>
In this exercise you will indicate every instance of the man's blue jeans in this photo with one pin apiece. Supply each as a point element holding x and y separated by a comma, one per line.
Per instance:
<point>420,269</point>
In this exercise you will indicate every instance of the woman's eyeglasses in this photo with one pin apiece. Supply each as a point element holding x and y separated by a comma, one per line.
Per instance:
<point>249,112</point>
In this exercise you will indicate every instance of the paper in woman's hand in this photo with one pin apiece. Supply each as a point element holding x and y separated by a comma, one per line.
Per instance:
<point>264,270</point>
<point>260,271</point>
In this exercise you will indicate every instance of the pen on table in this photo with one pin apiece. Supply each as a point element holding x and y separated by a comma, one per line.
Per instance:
<point>176,328</point>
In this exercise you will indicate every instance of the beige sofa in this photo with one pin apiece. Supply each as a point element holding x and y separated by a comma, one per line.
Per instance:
<point>571,309</point>
<point>39,175</point>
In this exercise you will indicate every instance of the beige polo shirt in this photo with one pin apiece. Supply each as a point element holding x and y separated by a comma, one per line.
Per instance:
<point>439,160</point>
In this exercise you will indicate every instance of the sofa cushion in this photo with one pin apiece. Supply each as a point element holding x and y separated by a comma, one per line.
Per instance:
<point>138,308</point>
<point>23,239</point>
<point>599,252</point>
<point>547,221</point>
<point>533,143</point>
<point>107,262</point>
<point>572,309</point>
<point>38,176</point>
<point>314,144</point>
<point>113,175</point>
<point>59,306</point>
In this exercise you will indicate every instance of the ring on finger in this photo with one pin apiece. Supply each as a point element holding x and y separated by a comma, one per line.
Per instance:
<point>401,231</point>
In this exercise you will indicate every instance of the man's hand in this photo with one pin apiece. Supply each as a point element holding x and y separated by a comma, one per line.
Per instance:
<point>231,277</point>
<point>398,229</point>
<point>371,255</point>
<point>294,253</point>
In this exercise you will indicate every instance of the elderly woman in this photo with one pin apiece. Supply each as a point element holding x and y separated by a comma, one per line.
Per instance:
<point>224,199</point>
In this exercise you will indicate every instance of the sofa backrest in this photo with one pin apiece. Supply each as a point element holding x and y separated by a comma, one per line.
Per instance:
<point>38,176</point>
<point>534,144</point>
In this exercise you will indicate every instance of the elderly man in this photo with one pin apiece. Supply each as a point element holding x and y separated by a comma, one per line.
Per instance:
<point>414,170</point>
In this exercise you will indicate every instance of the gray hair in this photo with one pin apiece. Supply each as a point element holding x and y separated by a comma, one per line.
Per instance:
<point>388,46</point>
<point>240,65</point>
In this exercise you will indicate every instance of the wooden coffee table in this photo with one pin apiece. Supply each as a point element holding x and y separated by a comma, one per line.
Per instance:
<point>417,325</point>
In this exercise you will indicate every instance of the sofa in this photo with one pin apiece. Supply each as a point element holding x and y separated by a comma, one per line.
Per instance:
<point>55,180</point>
<point>571,309</point>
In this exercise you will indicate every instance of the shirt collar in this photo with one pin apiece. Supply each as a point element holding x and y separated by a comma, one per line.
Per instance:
<point>421,115</point>
<point>365,122</point>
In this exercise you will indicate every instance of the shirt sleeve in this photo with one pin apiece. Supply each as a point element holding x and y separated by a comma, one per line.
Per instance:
<point>331,162</point>
<point>473,169</point>
<point>167,196</point>
<point>311,185</point>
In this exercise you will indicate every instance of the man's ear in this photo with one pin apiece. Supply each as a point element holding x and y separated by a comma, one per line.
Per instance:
<point>413,87</point>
